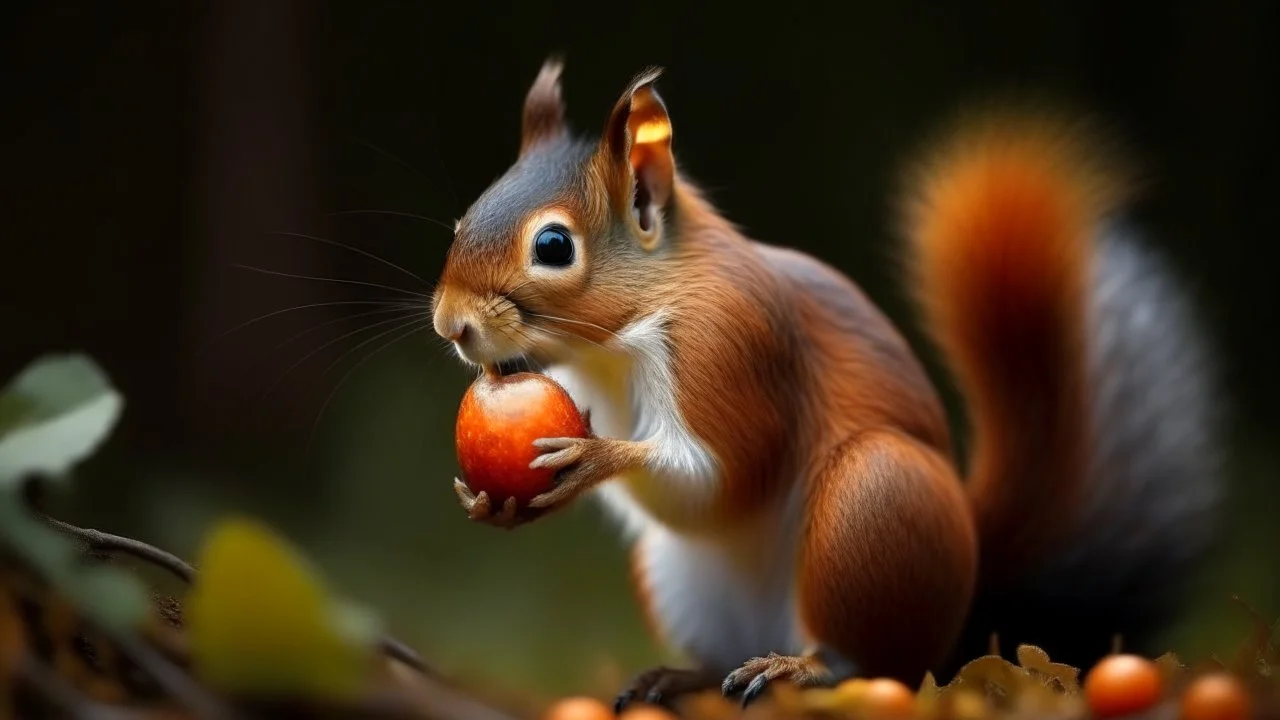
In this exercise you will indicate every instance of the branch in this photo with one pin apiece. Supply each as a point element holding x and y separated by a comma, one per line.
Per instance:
<point>397,650</point>
<point>108,542</point>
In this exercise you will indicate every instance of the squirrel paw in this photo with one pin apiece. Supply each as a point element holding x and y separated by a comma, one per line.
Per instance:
<point>662,686</point>
<point>578,462</point>
<point>480,507</point>
<point>753,678</point>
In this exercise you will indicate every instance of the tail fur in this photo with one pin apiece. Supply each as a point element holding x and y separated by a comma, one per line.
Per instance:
<point>1094,470</point>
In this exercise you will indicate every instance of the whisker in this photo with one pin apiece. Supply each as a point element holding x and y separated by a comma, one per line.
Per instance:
<point>444,345</point>
<point>412,318</point>
<point>399,318</point>
<point>453,195</point>
<point>413,326</point>
<point>561,334</point>
<point>395,213</point>
<point>421,175</point>
<point>517,287</point>
<point>527,331</point>
<point>260,318</point>
<point>308,331</point>
<point>353,249</point>
<point>333,280</point>
<point>553,318</point>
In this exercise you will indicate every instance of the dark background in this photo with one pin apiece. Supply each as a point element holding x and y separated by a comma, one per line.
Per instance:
<point>147,148</point>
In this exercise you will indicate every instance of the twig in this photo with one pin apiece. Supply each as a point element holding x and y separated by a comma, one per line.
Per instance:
<point>107,542</point>
<point>397,650</point>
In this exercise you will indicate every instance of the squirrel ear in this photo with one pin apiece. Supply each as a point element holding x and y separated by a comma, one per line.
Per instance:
<point>543,107</point>
<point>637,141</point>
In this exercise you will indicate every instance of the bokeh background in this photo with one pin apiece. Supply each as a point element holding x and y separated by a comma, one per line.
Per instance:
<point>148,149</point>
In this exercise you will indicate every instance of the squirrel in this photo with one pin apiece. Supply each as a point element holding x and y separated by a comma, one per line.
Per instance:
<point>777,454</point>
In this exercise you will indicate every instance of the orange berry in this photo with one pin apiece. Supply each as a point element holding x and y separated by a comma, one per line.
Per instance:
<point>578,708</point>
<point>887,698</point>
<point>646,712</point>
<point>884,697</point>
<point>498,421</point>
<point>1216,696</point>
<point>1122,684</point>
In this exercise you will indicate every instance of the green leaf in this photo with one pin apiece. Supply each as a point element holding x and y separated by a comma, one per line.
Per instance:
<point>116,600</point>
<point>358,624</point>
<point>53,415</point>
<point>43,548</point>
<point>14,409</point>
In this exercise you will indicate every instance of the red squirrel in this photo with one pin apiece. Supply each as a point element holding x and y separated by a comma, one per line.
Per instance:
<point>773,447</point>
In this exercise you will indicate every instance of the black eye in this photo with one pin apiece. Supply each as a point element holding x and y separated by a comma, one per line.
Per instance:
<point>552,246</point>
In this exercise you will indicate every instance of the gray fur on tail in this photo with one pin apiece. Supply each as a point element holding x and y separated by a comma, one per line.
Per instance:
<point>1156,475</point>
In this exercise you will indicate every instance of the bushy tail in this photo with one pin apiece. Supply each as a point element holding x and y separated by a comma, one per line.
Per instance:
<point>1094,473</point>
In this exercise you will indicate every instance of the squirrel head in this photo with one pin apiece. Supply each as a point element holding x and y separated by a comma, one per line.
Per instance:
<point>560,249</point>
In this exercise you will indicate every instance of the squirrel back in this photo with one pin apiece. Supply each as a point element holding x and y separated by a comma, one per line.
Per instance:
<point>1094,468</point>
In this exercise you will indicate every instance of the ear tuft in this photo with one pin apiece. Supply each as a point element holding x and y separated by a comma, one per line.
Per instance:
<point>638,142</point>
<point>543,106</point>
<point>618,133</point>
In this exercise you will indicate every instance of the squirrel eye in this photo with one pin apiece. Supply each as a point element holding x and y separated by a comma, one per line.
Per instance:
<point>553,246</point>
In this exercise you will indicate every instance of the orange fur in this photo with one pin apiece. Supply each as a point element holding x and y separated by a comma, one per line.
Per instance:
<point>888,557</point>
<point>1000,225</point>
<point>746,317</point>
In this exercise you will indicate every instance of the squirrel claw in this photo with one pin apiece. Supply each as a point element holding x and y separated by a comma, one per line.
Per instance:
<point>464,494</point>
<point>558,453</point>
<point>479,506</point>
<point>564,456</point>
<point>663,687</point>
<point>755,676</point>
<point>562,493</point>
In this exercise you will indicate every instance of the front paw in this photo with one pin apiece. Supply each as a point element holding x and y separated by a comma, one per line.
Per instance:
<point>575,462</point>
<point>480,508</point>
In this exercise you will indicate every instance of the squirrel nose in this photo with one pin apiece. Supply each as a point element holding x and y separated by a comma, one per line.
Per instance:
<point>459,332</point>
<point>455,330</point>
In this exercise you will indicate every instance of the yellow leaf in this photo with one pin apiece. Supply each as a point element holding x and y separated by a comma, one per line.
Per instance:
<point>1056,675</point>
<point>1171,669</point>
<point>965,704</point>
<point>996,678</point>
<point>259,622</point>
<point>928,687</point>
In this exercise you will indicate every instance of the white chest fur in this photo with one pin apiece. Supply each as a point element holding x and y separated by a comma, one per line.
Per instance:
<point>629,387</point>
<point>724,598</point>
<point>727,598</point>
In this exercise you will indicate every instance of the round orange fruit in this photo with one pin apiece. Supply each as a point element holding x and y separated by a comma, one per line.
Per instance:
<point>1121,685</point>
<point>498,421</point>
<point>1216,696</point>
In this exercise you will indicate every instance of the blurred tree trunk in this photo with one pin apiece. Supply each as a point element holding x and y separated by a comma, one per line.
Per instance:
<point>254,178</point>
